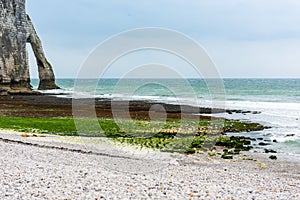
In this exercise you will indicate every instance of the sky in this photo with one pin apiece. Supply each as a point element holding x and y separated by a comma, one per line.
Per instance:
<point>245,39</point>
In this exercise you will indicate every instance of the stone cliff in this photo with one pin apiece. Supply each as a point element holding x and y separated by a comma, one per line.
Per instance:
<point>16,29</point>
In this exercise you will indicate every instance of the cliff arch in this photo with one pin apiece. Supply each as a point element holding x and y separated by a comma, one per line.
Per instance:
<point>16,29</point>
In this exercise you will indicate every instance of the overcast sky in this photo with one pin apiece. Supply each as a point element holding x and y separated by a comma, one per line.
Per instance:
<point>257,38</point>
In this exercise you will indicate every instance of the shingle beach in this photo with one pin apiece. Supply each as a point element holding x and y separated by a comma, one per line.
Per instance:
<point>40,168</point>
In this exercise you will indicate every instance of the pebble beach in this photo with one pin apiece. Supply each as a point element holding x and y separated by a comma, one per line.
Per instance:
<point>42,168</point>
<point>148,114</point>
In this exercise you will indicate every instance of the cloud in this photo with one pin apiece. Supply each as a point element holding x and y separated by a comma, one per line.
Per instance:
<point>260,34</point>
<point>270,59</point>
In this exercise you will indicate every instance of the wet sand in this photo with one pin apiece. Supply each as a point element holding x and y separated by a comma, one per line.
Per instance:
<point>45,106</point>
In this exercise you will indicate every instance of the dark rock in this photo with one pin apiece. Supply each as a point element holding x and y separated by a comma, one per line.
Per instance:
<point>256,112</point>
<point>260,138</point>
<point>270,151</point>
<point>263,144</point>
<point>273,157</point>
<point>237,142</point>
<point>16,29</point>
<point>275,141</point>
<point>290,135</point>
<point>246,112</point>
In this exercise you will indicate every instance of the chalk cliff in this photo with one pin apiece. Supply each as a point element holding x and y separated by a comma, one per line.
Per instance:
<point>16,29</point>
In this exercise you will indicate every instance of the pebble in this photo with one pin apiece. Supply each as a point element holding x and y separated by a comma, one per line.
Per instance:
<point>29,172</point>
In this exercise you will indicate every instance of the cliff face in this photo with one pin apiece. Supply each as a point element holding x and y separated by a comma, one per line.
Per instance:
<point>16,29</point>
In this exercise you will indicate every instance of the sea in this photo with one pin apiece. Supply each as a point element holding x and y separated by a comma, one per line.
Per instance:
<point>276,102</point>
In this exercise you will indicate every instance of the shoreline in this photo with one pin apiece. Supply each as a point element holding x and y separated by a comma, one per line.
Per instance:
<point>51,114</point>
<point>49,106</point>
